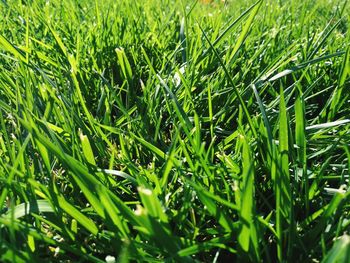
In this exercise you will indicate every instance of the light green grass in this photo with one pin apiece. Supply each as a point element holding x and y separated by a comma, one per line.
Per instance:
<point>174,131</point>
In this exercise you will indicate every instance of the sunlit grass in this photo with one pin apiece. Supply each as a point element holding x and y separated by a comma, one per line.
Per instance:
<point>177,131</point>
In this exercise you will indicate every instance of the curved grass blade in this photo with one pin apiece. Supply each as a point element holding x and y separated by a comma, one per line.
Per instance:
<point>21,210</point>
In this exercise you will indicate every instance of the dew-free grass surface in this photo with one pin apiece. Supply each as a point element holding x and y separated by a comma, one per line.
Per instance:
<point>174,131</point>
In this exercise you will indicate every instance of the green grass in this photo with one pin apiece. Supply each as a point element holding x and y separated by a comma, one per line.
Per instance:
<point>174,131</point>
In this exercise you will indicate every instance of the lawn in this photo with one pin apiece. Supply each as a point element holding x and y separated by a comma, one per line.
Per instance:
<point>174,131</point>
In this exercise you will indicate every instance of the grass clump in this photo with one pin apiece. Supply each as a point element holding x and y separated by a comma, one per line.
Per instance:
<point>174,131</point>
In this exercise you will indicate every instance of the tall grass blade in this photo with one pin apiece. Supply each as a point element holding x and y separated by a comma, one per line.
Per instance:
<point>284,204</point>
<point>247,237</point>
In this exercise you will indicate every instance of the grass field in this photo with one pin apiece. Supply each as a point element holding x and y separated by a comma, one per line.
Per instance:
<point>174,131</point>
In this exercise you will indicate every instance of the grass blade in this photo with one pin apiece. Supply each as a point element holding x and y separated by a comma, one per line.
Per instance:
<point>284,205</point>
<point>248,235</point>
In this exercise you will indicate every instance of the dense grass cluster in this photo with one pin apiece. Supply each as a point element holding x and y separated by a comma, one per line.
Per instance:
<point>174,130</point>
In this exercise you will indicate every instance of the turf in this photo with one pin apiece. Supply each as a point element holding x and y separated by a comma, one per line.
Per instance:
<point>174,131</point>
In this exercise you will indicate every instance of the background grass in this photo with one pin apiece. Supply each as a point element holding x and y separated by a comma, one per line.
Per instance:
<point>174,131</point>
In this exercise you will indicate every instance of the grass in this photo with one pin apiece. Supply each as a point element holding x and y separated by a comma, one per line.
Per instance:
<point>174,131</point>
